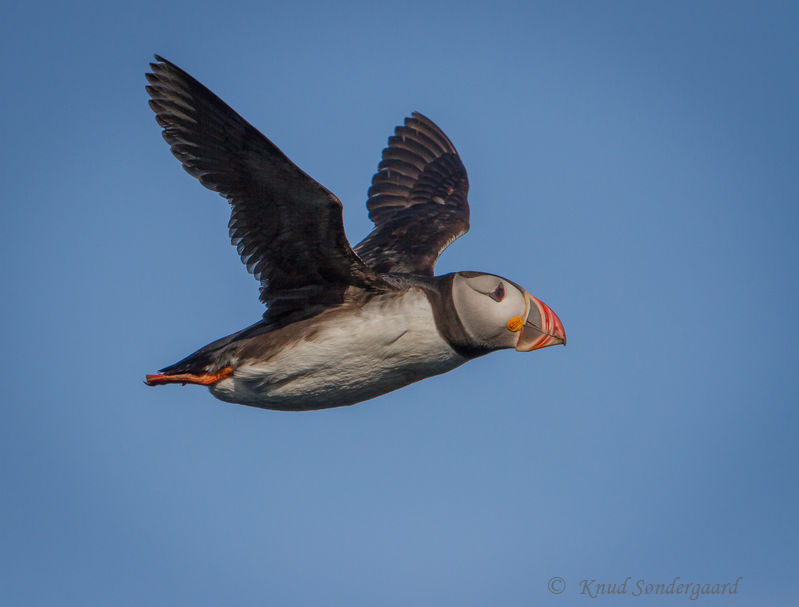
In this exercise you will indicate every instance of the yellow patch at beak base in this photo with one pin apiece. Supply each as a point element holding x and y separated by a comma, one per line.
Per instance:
<point>515,324</point>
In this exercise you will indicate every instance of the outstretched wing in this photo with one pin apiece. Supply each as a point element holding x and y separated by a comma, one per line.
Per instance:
<point>418,200</point>
<point>288,228</point>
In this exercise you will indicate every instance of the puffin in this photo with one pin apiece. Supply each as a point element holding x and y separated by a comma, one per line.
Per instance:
<point>342,324</point>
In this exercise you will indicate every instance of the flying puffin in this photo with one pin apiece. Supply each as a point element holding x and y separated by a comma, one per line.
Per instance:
<point>342,325</point>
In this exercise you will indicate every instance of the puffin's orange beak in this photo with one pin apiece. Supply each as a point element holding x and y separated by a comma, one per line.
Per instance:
<point>541,328</point>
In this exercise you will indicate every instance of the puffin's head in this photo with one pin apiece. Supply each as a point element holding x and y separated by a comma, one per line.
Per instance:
<point>498,313</point>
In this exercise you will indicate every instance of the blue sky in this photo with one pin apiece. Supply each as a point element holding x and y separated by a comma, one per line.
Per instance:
<point>632,164</point>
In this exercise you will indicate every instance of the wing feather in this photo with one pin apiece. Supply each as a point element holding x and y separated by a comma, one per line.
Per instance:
<point>417,200</point>
<point>287,228</point>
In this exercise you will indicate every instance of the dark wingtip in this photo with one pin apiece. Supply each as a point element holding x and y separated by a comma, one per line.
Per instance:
<point>424,119</point>
<point>161,64</point>
<point>156,67</point>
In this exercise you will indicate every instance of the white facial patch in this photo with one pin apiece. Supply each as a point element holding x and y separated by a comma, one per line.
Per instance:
<point>485,303</point>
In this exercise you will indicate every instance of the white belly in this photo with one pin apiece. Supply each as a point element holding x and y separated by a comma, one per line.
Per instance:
<point>389,343</point>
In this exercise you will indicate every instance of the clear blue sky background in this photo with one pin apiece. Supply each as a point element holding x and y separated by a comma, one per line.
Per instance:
<point>632,164</point>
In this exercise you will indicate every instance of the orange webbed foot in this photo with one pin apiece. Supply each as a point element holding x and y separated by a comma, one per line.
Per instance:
<point>205,379</point>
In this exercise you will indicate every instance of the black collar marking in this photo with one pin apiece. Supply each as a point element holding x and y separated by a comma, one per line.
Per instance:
<point>447,320</point>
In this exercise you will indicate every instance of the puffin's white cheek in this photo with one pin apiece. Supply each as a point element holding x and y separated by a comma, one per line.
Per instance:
<point>484,318</point>
<point>486,321</point>
<point>491,326</point>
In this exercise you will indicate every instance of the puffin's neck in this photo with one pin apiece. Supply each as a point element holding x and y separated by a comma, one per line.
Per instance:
<point>439,292</point>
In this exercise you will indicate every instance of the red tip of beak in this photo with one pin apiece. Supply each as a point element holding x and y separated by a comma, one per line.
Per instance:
<point>542,327</point>
<point>554,326</point>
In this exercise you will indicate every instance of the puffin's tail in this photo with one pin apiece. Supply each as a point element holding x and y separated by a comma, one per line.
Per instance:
<point>197,367</point>
<point>203,367</point>
<point>209,364</point>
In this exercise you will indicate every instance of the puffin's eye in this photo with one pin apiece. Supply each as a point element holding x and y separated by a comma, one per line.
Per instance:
<point>498,293</point>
